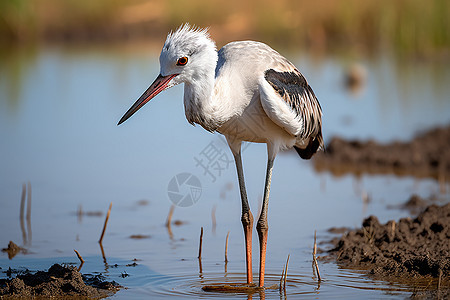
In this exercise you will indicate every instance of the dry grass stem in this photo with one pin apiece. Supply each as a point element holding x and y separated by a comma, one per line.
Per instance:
<point>200,252</point>
<point>200,245</point>
<point>103,255</point>
<point>281,280</point>
<point>285,273</point>
<point>200,269</point>
<point>169,216</point>
<point>284,276</point>
<point>393,224</point>
<point>316,265</point>
<point>106,223</point>
<point>315,245</point>
<point>226,247</point>
<point>79,256</point>
<point>439,280</point>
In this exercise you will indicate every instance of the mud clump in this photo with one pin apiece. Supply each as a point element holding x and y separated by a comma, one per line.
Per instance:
<point>410,247</point>
<point>416,204</point>
<point>424,156</point>
<point>58,281</point>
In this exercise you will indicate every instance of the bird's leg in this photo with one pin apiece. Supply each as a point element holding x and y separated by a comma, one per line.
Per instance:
<point>247,217</point>
<point>262,227</point>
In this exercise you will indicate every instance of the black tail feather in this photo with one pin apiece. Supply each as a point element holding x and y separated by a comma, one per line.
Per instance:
<point>314,145</point>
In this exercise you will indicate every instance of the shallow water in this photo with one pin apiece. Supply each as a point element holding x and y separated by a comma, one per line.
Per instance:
<point>58,113</point>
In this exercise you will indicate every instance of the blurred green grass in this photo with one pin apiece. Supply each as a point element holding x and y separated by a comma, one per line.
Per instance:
<point>407,26</point>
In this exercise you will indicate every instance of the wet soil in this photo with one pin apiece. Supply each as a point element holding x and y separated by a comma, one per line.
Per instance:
<point>423,156</point>
<point>58,281</point>
<point>416,204</point>
<point>404,250</point>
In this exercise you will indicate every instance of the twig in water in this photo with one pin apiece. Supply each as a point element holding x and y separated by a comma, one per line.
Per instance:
<point>285,273</point>
<point>103,255</point>
<point>226,253</point>
<point>284,276</point>
<point>200,253</point>
<point>200,270</point>
<point>316,265</point>
<point>281,280</point>
<point>106,222</point>
<point>80,258</point>
<point>226,247</point>
<point>200,246</point>
<point>169,216</point>
<point>315,245</point>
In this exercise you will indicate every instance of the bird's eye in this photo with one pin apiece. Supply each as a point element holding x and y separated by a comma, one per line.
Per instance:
<point>182,61</point>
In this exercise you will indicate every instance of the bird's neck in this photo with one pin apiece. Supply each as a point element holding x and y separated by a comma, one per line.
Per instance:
<point>198,97</point>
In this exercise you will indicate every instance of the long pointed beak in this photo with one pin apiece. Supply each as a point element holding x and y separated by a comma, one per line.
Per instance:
<point>159,85</point>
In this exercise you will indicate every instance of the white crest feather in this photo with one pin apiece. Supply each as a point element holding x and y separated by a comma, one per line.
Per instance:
<point>186,35</point>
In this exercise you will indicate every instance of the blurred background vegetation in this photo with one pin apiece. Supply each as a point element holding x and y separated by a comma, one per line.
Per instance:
<point>411,27</point>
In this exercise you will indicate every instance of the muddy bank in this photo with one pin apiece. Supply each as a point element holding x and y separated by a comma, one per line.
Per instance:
<point>408,249</point>
<point>58,281</point>
<point>424,156</point>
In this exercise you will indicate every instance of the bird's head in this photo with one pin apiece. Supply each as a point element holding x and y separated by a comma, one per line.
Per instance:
<point>187,56</point>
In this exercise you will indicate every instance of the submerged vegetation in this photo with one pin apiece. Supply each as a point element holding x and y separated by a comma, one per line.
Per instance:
<point>407,26</point>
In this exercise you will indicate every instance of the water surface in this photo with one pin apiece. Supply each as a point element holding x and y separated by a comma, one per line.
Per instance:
<point>58,113</point>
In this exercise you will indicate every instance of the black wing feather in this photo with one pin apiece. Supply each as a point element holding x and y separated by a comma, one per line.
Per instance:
<point>295,90</point>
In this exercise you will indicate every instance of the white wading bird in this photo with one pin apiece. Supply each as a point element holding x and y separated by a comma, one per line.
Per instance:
<point>248,92</point>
